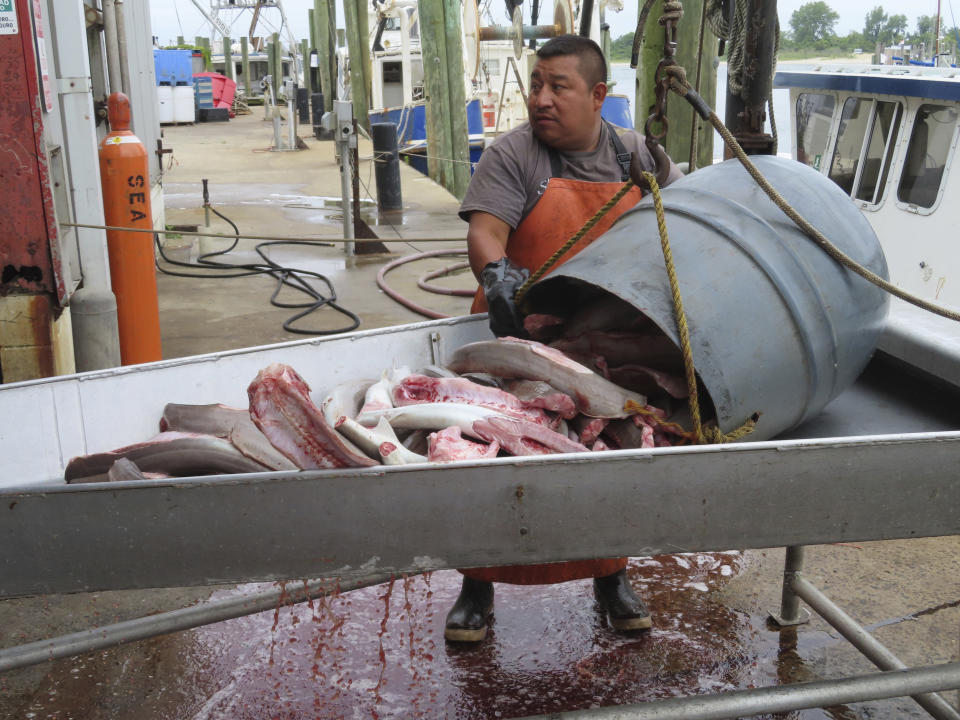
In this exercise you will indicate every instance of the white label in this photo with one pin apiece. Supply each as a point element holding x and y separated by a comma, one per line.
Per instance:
<point>8,18</point>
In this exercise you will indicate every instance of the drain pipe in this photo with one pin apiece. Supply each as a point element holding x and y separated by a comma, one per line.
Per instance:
<point>122,45</point>
<point>113,46</point>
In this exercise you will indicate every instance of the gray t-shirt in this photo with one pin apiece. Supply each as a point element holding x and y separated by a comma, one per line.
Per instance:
<point>513,172</point>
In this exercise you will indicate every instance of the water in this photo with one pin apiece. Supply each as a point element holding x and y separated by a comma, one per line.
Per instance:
<point>624,76</point>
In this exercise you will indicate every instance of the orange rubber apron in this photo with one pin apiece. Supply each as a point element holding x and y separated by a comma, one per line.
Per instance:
<point>561,211</point>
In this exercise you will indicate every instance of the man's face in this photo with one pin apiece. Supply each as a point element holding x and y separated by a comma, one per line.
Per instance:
<point>564,110</point>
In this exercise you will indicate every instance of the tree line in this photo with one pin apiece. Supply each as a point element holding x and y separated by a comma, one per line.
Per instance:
<point>812,28</point>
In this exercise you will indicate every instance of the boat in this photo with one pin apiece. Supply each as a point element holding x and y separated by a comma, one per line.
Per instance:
<point>887,135</point>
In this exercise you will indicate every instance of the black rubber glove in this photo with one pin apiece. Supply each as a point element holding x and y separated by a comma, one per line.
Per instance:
<point>500,281</point>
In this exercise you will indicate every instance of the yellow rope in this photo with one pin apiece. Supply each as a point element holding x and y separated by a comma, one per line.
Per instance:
<point>702,434</point>
<point>552,260</point>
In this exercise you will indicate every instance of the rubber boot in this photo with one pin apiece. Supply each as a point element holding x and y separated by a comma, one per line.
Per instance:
<point>621,604</point>
<point>467,619</point>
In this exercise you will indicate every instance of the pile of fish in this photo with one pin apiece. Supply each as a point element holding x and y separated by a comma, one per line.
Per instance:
<point>585,391</point>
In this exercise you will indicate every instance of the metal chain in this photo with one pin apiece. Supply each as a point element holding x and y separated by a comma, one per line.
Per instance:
<point>672,13</point>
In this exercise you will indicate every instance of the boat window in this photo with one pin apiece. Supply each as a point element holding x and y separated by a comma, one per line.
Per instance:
<point>865,144</point>
<point>930,142</point>
<point>814,113</point>
<point>878,153</point>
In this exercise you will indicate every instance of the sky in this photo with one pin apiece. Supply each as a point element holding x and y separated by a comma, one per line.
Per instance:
<point>171,18</point>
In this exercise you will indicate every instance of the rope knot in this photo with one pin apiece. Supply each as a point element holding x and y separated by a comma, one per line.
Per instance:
<point>672,12</point>
<point>678,78</point>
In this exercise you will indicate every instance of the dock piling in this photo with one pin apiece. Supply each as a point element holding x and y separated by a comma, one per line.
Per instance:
<point>386,165</point>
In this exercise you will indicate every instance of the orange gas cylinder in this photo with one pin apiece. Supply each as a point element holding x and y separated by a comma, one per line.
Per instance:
<point>125,175</point>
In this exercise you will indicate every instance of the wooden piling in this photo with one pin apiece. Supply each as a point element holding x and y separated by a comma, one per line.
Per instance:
<point>271,64</point>
<point>245,65</point>
<point>355,18</point>
<point>325,26</point>
<point>305,55</point>
<point>679,113</point>
<point>208,55</point>
<point>460,133</point>
<point>682,115</point>
<point>276,53</point>
<point>448,150</point>
<point>228,68</point>
<point>651,51</point>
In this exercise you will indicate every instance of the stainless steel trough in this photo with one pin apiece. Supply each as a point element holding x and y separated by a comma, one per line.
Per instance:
<point>869,468</point>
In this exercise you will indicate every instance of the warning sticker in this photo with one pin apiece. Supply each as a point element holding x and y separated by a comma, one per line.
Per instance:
<point>8,18</point>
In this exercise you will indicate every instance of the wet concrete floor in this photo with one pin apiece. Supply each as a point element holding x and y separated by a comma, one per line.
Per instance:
<point>379,652</point>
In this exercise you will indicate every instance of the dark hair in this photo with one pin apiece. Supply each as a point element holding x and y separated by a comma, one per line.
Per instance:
<point>592,65</point>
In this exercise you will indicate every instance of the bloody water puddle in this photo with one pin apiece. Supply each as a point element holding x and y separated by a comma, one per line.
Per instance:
<point>379,652</point>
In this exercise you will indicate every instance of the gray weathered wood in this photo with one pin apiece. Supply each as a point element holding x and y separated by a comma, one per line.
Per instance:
<point>245,61</point>
<point>228,68</point>
<point>355,17</point>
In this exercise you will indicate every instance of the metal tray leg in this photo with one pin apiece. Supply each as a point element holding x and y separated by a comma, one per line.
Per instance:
<point>791,613</point>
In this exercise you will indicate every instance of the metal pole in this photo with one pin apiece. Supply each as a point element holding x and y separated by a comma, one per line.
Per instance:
<point>346,140</point>
<point>586,17</point>
<point>175,620</point>
<point>790,611</point>
<point>345,194</point>
<point>122,45</point>
<point>746,703</point>
<point>112,43</point>
<point>866,643</point>
<point>274,111</point>
<point>291,93</point>
<point>355,180</point>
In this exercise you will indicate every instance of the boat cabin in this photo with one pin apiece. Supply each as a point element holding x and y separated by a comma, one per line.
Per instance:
<point>887,135</point>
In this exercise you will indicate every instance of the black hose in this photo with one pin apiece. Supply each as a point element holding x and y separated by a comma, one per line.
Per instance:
<point>289,277</point>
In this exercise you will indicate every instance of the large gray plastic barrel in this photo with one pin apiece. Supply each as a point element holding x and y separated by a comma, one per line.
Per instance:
<point>776,325</point>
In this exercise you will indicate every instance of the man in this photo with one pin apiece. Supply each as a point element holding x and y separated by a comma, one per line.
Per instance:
<point>533,188</point>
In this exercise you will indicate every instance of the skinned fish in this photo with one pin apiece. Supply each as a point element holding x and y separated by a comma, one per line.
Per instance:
<point>515,435</point>
<point>280,406</point>
<point>521,437</point>
<point>415,389</point>
<point>647,380</point>
<point>513,358</point>
<point>539,394</point>
<point>434,416</point>
<point>379,394</point>
<point>380,440</point>
<point>343,402</point>
<point>449,445</point>
<point>605,313</point>
<point>175,453</point>
<point>233,424</point>
<point>624,348</point>
<point>589,428</point>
